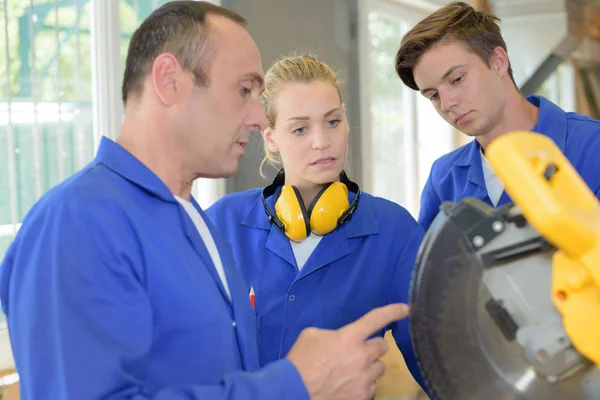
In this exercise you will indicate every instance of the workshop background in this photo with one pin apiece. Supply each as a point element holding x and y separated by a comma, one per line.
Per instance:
<point>61,64</point>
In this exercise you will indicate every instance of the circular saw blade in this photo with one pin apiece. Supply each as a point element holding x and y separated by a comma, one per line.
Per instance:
<point>462,352</point>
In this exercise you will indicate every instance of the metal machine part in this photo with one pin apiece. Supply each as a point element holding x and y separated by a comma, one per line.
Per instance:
<point>482,320</point>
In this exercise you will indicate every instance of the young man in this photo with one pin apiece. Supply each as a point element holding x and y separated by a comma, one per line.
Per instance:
<point>117,286</point>
<point>457,58</point>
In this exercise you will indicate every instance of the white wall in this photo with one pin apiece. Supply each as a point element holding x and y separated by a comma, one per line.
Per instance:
<point>327,28</point>
<point>530,39</point>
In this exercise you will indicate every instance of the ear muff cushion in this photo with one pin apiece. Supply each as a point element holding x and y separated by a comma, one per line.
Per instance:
<point>328,208</point>
<point>291,212</point>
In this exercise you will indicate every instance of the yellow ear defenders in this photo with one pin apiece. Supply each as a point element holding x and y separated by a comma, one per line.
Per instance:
<point>327,211</point>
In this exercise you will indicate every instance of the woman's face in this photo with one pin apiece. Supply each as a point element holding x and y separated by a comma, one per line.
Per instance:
<point>310,133</point>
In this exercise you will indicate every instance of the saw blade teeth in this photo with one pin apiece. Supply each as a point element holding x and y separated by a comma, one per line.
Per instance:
<point>441,349</point>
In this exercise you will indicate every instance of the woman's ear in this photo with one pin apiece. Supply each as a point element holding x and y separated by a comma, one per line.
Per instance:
<point>270,140</point>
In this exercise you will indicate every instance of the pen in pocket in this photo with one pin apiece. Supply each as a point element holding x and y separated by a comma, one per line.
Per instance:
<point>252,298</point>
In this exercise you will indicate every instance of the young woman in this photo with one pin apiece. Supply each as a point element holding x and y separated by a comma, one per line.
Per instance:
<point>315,250</point>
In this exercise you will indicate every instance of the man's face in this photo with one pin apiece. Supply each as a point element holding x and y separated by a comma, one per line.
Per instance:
<point>217,119</point>
<point>467,93</point>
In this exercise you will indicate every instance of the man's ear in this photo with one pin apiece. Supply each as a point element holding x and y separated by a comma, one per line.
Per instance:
<point>499,61</point>
<point>267,134</point>
<point>167,79</point>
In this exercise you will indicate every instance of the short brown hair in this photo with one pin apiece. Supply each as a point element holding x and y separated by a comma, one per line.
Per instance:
<point>179,28</point>
<point>457,21</point>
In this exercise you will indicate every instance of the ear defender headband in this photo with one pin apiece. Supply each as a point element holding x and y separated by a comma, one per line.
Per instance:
<point>327,211</point>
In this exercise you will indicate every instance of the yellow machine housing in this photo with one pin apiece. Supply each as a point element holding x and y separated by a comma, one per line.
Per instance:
<point>558,204</point>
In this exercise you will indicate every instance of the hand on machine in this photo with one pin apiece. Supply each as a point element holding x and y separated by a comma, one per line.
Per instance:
<point>505,303</point>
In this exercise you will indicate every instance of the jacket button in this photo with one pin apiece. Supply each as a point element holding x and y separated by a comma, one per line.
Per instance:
<point>233,324</point>
<point>292,297</point>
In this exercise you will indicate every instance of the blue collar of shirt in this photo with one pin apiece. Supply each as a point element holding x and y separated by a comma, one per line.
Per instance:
<point>123,163</point>
<point>552,122</point>
<point>362,223</point>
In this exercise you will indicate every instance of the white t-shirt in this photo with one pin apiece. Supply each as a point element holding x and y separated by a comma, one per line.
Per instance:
<point>494,185</point>
<point>207,238</point>
<point>303,250</point>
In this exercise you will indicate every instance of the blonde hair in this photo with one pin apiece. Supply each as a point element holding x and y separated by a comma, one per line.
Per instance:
<point>291,69</point>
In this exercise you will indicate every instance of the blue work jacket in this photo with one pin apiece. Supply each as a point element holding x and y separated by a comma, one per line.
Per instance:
<point>459,174</point>
<point>364,264</point>
<point>111,294</point>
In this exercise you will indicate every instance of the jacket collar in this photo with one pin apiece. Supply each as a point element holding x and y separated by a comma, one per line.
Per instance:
<point>125,164</point>
<point>552,122</point>
<point>334,246</point>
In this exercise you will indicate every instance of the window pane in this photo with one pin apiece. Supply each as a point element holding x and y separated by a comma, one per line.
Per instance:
<point>131,14</point>
<point>45,102</point>
<point>435,138</point>
<point>46,123</point>
<point>407,134</point>
<point>388,121</point>
<point>559,87</point>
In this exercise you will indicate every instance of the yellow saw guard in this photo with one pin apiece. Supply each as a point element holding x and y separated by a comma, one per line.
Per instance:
<point>559,205</point>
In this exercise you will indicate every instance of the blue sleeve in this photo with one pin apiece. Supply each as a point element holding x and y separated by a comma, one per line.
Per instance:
<point>212,213</point>
<point>430,204</point>
<point>221,214</point>
<point>81,321</point>
<point>399,292</point>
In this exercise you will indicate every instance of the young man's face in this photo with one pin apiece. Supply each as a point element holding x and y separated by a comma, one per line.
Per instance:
<point>467,93</point>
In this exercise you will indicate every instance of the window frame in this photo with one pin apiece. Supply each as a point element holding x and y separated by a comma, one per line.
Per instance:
<point>409,12</point>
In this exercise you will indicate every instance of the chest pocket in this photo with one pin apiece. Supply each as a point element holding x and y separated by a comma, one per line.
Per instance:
<point>187,294</point>
<point>269,331</point>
